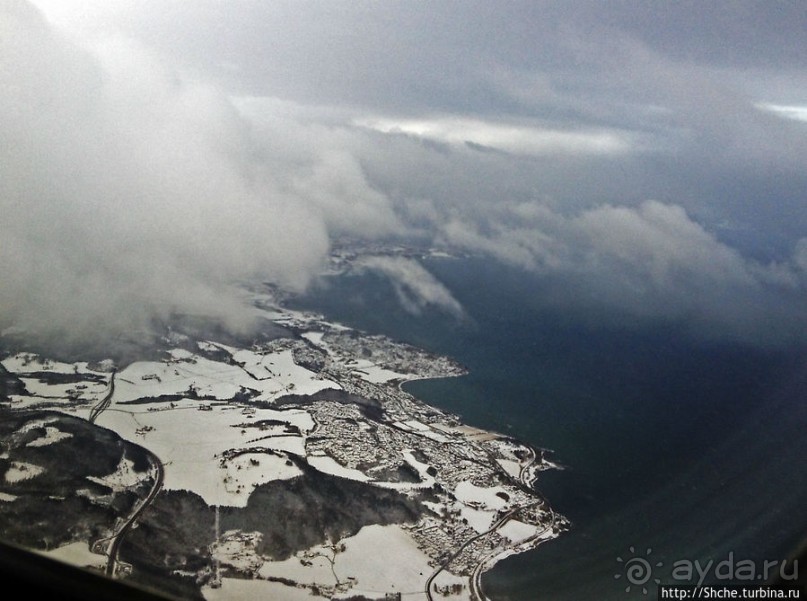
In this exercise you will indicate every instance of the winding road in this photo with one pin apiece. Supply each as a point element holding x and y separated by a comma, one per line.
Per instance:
<point>159,479</point>
<point>475,582</point>
<point>112,554</point>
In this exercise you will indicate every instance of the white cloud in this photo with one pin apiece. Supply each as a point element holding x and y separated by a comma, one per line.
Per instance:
<point>415,287</point>
<point>652,261</point>
<point>130,193</point>
<point>508,137</point>
<point>793,112</point>
<point>131,189</point>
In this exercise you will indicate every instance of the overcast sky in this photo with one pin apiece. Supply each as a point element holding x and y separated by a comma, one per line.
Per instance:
<point>646,157</point>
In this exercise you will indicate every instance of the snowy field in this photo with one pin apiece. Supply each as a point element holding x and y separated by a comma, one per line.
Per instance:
<point>377,560</point>
<point>271,374</point>
<point>328,465</point>
<point>384,559</point>
<point>28,363</point>
<point>90,386</point>
<point>192,445</point>
<point>213,425</point>
<point>123,478</point>
<point>235,589</point>
<point>19,471</point>
<point>467,492</point>
<point>78,554</point>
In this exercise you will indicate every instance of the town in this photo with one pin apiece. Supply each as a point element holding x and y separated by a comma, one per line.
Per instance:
<point>322,405</point>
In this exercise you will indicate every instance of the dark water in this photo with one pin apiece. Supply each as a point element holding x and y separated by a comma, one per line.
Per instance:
<point>694,450</point>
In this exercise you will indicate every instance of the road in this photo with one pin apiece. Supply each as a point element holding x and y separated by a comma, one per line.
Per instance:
<point>496,525</point>
<point>105,402</point>
<point>112,554</point>
<point>475,582</point>
<point>117,538</point>
<point>524,473</point>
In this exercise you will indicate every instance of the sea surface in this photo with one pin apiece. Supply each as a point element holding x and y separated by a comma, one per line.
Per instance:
<point>676,449</point>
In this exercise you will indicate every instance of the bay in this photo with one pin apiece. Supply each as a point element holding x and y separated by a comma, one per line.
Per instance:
<point>675,448</point>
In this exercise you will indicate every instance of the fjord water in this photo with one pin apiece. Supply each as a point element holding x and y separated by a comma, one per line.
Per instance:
<point>679,448</point>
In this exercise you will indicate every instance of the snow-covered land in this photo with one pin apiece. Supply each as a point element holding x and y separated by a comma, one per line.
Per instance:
<point>222,453</point>
<point>325,402</point>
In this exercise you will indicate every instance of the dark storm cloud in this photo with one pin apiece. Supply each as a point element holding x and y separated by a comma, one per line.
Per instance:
<point>681,78</point>
<point>733,34</point>
<point>458,55</point>
<point>625,151</point>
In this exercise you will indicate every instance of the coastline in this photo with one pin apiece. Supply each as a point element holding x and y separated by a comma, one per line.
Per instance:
<point>263,405</point>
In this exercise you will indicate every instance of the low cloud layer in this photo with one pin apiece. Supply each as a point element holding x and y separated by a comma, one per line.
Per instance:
<point>651,262</point>
<point>147,171</point>
<point>519,138</point>
<point>417,289</point>
<point>129,193</point>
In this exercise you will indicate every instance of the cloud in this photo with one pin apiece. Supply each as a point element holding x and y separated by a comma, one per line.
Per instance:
<point>650,262</point>
<point>796,113</point>
<point>130,194</point>
<point>310,160</point>
<point>149,168</point>
<point>415,287</point>
<point>513,138</point>
<point>800,255</point>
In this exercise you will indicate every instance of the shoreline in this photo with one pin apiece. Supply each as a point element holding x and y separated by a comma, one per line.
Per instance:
<point>479,481</point>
